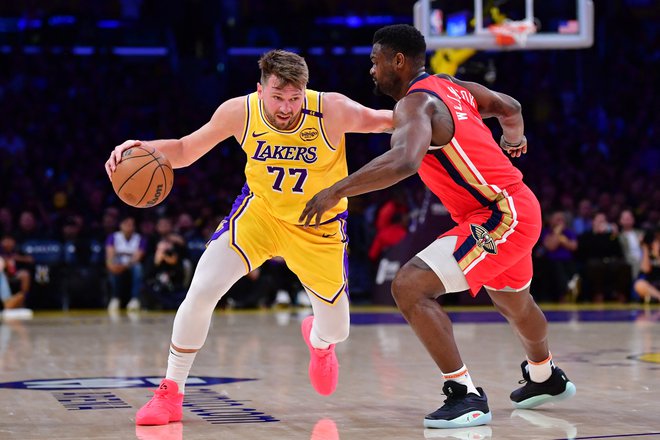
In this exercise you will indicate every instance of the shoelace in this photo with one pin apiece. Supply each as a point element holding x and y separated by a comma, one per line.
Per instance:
<point>158,395</point>
<point>452,400</point>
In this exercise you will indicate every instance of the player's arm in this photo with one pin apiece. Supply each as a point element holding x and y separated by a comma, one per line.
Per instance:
<point>352,117</point>
<point>227,121</point>
<point>410,141</point>
<point>503,107</point>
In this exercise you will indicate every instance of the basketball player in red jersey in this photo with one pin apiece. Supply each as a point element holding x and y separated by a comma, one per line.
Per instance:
<point>439,133</point>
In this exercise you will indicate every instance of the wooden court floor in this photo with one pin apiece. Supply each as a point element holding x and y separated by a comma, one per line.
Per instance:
<point>82,375</point>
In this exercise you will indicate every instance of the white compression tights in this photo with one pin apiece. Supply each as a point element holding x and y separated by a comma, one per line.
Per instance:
<point>218,269</point>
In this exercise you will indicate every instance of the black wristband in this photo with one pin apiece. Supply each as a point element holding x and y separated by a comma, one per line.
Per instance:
<point>507,145</point>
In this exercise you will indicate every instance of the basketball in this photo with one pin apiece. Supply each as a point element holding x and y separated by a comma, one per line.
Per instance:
<point>143,178</point>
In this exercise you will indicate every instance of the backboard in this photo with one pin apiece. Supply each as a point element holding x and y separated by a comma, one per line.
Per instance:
<point>558,24</point>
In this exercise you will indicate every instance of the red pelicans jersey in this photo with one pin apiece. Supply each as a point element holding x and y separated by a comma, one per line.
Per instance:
<point>499,218</point>
<point>471,171</point>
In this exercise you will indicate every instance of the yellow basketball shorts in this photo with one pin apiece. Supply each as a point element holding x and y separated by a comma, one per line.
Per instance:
<point>317,256</point>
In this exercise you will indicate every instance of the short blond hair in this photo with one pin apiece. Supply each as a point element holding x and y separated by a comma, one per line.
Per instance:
<point>288,68</point>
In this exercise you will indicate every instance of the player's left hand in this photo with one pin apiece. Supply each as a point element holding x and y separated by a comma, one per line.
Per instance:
<point>319,204</point>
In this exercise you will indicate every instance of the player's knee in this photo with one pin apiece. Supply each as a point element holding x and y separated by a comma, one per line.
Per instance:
<point>403,288</point>
<point>204,294</point>
<point>523,311</point>
<point>334,334</point>
<point>340,335</point>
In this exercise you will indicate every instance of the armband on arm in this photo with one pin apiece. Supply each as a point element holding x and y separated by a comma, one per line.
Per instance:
<point>506,145</point>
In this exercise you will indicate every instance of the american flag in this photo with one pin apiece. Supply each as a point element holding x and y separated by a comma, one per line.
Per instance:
<point>569,27</point>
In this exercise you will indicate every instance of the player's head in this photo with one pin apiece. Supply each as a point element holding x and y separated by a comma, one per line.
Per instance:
<point>284,77</point>
<point>398,54</point>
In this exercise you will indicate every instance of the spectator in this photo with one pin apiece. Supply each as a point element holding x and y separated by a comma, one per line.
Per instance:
<point>606,275</point>
<point>559,244</point>
<point>251,291</point>
<point>647,286</point>
<point>396,205</point>
<point>28,229</point>
<point>284,287</point>
<point>6,221</point>
<point>390,234</point>
<point>147,229</point>
<point>582,221</point>
<point>82,272</point>
<point>109,222</point>
<point>16,277</point>
<point>125,250</point>
<point>166,274</point>
<point>185,226</point>
<point>631,242</point>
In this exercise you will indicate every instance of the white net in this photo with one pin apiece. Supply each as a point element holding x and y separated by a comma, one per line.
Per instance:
<point>512,32</point>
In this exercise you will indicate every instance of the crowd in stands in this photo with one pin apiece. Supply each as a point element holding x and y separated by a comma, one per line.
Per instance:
<point>594,162</point>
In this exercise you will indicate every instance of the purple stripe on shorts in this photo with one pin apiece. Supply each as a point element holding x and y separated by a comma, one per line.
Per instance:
<point>344,236</point>
<point>233,232</point>
<point>245,192</point>
<point>236,211</point>
<point>334,297</point>
<point>341,216</point>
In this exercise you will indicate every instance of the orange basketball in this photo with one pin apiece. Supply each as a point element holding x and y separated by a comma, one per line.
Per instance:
<point>143,178</point>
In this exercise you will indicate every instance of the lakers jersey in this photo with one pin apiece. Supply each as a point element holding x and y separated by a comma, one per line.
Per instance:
<point>286,168</point>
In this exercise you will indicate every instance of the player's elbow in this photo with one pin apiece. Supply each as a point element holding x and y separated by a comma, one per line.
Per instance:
<point>183,161</point>
<point>512,107</point>
<point>184,155</point>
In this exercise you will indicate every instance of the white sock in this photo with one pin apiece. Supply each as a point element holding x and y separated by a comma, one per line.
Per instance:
<point>540,371</point>
<point>316,341</point>
<point>463,377</point>
<point>178,367</point>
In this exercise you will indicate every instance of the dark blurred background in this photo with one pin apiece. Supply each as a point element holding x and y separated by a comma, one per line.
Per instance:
<point>79,77</point>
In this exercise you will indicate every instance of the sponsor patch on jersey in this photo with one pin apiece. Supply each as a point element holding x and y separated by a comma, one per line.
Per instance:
<point>309,134</point>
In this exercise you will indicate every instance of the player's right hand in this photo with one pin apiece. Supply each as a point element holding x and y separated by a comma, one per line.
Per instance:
<point>516,150</point>
<point>115,155</point>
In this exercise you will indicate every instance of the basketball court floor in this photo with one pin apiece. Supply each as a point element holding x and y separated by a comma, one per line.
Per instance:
<point>83,375</point>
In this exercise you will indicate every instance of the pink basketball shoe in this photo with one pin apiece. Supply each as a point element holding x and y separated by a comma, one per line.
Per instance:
<point>166,406</point>
<point>323,364</point>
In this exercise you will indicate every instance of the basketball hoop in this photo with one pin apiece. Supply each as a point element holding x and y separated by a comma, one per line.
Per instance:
<point>512,32</point>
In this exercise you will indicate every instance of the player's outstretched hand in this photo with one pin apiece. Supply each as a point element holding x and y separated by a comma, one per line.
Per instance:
<point>115,155</point>
<point>319,204</point>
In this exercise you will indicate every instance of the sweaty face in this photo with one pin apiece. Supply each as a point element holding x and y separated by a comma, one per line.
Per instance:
<point>382,71</point>
<point>282,104</point>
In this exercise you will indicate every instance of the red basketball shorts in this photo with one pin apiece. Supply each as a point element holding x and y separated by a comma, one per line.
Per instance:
<point>494,244</point>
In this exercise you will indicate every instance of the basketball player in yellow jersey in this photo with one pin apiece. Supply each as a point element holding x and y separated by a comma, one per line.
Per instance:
<point>294,142</point>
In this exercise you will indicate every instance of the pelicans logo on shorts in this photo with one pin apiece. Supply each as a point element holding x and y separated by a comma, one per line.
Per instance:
<point>483,239</point>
